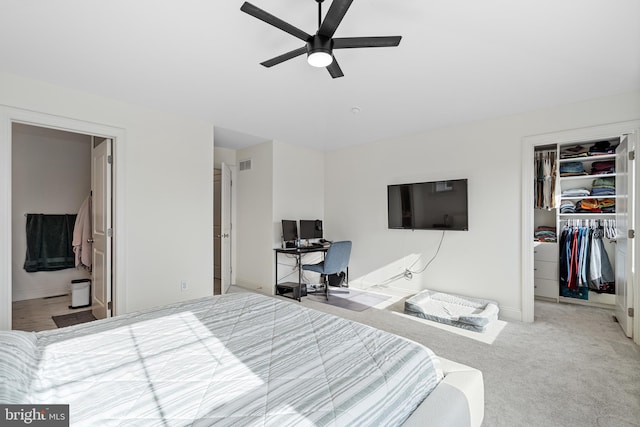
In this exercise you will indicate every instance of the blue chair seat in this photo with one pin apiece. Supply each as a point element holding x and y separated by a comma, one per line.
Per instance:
<point>336,261</point>
<point>316,268</point>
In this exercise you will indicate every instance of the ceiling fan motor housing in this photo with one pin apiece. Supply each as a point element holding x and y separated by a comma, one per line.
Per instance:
<point>320,43</point>
<point>319,51</point>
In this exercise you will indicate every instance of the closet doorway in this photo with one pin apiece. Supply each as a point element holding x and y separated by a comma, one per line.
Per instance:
<point>622,247</point>
<point>56,172</point>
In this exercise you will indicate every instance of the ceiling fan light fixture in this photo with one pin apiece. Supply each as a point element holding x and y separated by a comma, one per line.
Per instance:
<point>319,58</point>
<point>319,47</point>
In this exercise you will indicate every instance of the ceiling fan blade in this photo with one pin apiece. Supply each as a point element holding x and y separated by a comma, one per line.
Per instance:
<point>284,57</point>
<point>272,20</point>
<point>334,69</point>
<point>334,16</point>
<point>356,42</point>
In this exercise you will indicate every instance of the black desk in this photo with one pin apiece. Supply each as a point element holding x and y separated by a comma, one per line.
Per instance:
<point>297,252</point>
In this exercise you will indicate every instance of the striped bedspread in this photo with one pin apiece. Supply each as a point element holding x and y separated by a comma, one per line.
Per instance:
<point>237,359</point>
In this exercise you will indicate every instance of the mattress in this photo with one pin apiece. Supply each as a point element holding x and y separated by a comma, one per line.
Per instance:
<point>464,312</point>
<point>237,359</point>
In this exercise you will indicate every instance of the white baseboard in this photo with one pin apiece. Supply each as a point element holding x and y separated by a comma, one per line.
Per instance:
<point>511,314</point>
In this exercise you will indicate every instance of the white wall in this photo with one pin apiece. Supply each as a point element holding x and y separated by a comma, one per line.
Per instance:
<point>298,185</point>
<point>483,262</point>
<point>254,207</point>
<point>224,155</point>
<point>285,182</point>
<point>164,191</point>
<point>51,173</point>
<point>298,193</point>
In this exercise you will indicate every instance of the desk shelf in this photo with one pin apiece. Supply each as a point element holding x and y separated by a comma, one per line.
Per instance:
<point>297,289</point>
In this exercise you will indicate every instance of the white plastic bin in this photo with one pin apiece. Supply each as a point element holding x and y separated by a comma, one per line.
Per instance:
<point>80,293</point>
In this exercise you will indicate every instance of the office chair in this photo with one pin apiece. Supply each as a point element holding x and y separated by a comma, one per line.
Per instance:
<point>335,262</point>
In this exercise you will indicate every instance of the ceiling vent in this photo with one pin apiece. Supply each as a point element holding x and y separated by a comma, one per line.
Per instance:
<point>245,165</point>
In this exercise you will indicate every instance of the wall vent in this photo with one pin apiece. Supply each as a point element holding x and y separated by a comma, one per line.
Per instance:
<point>245,165</point>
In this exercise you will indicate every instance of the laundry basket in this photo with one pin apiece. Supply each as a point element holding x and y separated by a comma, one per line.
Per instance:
<point>80,293</point>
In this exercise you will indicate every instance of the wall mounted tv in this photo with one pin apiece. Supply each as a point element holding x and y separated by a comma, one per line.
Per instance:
<point>436,205</point>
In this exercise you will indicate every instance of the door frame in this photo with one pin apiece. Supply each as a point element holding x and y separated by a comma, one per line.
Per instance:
<point>529,143</point>
<point>10,115</point>
<point>226,202</point>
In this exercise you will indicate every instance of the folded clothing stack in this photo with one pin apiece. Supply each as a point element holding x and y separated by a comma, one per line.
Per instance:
<point>601,148</point>
<point>607,205</point>
<point>603,187</point>
<point>596,206</point>
<point>572,169</point>
<point>603,167</point>
<point>575,192</point>
<point>567,206</point>
<point>574,151</point>
<point>545,233</point>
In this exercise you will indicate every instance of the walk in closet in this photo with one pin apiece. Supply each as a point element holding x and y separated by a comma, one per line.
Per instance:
<point>583,222</point>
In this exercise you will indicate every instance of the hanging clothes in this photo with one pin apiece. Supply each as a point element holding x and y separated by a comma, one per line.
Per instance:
<point>584,262</point>
<point>82,236</point>
<point>545,180</point>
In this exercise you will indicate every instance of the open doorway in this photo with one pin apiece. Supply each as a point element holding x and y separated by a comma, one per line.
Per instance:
<point>9,116</point>
<point>568,147</point>
<point>53,174</point>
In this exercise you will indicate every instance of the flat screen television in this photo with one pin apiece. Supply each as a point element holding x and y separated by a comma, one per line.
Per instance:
<point>435,205</point>
<point>310,229</point>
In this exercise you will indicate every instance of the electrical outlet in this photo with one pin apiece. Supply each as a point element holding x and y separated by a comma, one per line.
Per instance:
<point>183,285</point>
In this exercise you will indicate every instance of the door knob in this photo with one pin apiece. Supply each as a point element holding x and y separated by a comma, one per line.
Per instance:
<point>89,240</point>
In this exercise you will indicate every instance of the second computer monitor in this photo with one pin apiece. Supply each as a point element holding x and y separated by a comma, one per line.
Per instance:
<point>310,229</point>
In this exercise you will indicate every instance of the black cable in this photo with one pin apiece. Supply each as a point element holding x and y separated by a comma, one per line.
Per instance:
<point>407,273</point>
<point>431,260</point>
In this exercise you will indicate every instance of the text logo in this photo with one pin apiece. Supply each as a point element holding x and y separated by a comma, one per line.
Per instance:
<point>34,415</point>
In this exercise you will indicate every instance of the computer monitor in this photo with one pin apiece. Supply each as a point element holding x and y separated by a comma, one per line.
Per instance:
<point>289,230</point>
<point>310,229</point>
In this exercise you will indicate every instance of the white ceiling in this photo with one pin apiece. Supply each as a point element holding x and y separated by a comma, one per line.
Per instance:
<point>459,61</point>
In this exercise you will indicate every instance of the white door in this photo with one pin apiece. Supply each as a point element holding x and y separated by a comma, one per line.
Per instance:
<point>225,221</point>
<point>101,227</point>
<point>625,171</point>
<point>217,231</point>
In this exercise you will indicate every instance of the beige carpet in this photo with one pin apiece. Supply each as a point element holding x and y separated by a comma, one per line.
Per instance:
<point>572,367</point>
<point>349,298</point>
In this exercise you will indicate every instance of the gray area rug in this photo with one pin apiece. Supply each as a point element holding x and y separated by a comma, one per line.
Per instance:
<point>73,318</point>
<point>349,298</point>
<point>572,367</point>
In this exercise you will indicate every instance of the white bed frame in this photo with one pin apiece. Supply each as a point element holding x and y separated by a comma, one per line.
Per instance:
<point>458,401</point>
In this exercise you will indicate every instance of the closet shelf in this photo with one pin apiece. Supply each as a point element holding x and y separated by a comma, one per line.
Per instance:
<point>587,214</point>
<point>588,197</point>
<point>588,158</point>
<point>577,177</point>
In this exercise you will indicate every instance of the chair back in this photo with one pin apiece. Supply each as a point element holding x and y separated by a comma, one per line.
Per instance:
<point>337,258</point>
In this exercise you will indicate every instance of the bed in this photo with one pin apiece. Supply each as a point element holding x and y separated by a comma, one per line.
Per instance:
<point>237,359</point>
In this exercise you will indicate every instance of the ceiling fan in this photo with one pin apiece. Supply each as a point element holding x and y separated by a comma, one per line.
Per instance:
<point>319,47</point>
